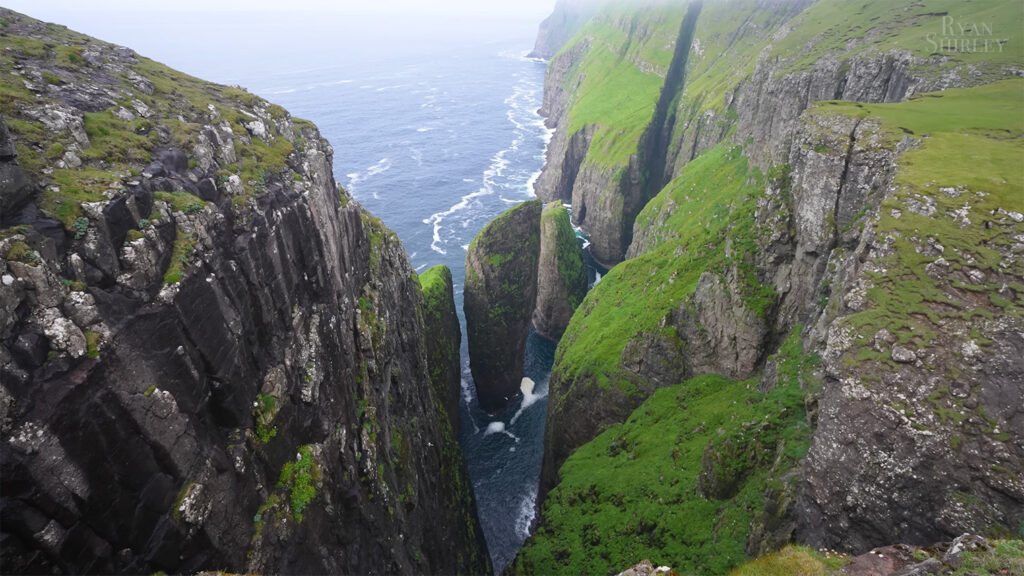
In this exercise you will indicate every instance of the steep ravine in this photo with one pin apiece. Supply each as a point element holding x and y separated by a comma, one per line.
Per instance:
<point>212,357</point>
<point>798,252</point>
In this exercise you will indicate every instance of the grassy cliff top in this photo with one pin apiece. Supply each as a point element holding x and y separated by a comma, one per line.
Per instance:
<point>960,187</point>
<point>87,117</point>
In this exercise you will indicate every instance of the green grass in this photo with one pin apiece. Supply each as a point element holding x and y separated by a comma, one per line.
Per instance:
<point>265,412</point>
<point>181,201</point>
<point>181,256</point>
<point>634,492</point>
<point>971,141</point>
<point>299,479</point>
<point>905,25</point>
<point>1005,557</point>
<point>793,560</point>
<point>181,108</point>
<point>614,93</point>
<point>713,199</point>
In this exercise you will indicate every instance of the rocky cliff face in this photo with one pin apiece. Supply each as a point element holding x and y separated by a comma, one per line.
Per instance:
<point>443,338</point>
<point>561,273</point>
<point>501,292</point>
<point>834,220</point>
<point>211,356</point>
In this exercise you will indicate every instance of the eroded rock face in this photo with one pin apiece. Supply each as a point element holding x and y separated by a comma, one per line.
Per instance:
<point>219,364</point>
<point>561,273</point>
<point>443,339</point>
<point>15,188</point>
<point>501,293</point>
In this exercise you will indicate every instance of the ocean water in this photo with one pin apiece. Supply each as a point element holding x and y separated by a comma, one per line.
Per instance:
<point>435,130</point>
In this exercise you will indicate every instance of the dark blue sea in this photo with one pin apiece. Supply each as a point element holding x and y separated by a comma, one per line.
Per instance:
<point>435,130</point>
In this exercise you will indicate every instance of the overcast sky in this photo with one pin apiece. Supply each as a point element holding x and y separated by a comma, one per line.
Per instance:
<point>50,8</point>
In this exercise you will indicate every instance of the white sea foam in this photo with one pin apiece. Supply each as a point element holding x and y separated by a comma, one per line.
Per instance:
<point>529,397</point>
<point>382,165</point>
<point>525,514</point>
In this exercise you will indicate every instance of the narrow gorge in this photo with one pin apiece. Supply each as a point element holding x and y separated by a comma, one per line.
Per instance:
<point>802,352</point>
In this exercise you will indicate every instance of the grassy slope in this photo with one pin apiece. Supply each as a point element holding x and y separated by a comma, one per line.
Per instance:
<point>714,199</point>
<point>1005,557</point>
<point>972,140</point>
<point>632,493</point>
<point>905,25</point>
<point>120,149</point>
<point>614,92</point>
<point>635,295</point>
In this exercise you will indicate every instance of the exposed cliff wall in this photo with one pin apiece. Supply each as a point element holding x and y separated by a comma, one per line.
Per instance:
<point>561,273</point>
<point>778,217</point>
<point>565,20</point>
<point>442,338</point>
<point>501,292</point>
<point>211,356</point>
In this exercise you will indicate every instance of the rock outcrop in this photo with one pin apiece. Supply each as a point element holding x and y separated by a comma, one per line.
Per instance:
<point>501,292</point>
<point>561,273</point>
<point>442,338</point>
<point>17,190</point>
<point>211,356</point>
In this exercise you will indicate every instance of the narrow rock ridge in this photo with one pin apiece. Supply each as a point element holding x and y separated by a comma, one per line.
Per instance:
<point>442,338</point>
<point>561,273</point>
<point>501,293</point>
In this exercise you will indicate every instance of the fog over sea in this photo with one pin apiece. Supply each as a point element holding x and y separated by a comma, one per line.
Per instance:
<point>434,125</point>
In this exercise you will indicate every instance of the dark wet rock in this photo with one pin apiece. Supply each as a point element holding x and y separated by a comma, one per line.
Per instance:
<point>501,293</point>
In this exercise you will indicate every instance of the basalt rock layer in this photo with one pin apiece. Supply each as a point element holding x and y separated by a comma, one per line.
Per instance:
<point>211,356</point>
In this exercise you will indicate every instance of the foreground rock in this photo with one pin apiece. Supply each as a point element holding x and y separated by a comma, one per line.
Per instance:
<point>211,357</point>
<point>501,292</point>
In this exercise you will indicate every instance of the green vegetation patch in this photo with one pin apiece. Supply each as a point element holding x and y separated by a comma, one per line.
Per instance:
<point>618,86</point>
<point>571,267</point>
<point>299,478</point>
<point>1004,557</point>
<point>184,246</point>
<point>982,33</point>
<point>634,492</point>
<point>712,201</point>
<point>793,559</point>
<point>181,201</point>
